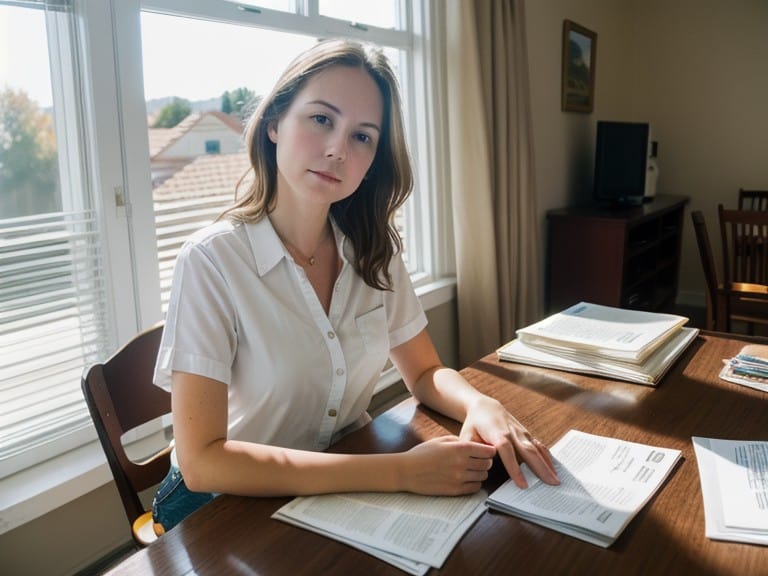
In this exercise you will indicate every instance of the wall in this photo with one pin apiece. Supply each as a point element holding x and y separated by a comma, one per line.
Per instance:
<point>693,68</point>
<point>701,79</point>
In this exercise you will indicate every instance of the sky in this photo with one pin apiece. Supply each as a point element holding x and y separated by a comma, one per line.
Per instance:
<point>182,57</point>
<point>24,30</point>
<point>226,58</point>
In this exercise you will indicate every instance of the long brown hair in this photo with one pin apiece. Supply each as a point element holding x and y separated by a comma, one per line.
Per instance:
<point>366,216</point>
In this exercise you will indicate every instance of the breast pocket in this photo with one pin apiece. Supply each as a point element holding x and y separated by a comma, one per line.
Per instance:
<point>372,327</point>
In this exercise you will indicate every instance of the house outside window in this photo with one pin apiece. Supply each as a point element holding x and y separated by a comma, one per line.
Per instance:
<point>212,147</point>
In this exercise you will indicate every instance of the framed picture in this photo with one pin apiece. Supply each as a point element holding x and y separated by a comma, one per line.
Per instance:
<point>579,51</point>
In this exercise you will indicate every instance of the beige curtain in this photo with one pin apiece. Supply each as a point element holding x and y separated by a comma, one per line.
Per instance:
<point>492,178</point>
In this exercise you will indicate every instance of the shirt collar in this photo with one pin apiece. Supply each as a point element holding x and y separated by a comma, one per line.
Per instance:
<point>268,250</point>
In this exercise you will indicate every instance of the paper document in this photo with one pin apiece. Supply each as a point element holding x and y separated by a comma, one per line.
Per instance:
<point>748,368</point>
<point>616,333</point>
<point>649,372</point>
<point>604,483</point>
<point>734,485</point>
<point>411,531</point>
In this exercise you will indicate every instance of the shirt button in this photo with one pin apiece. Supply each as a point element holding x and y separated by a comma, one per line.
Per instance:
<point>331,335</point>
<point>332,413</point>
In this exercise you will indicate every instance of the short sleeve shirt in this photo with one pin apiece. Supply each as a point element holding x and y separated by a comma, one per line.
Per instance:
<point>244,313</point>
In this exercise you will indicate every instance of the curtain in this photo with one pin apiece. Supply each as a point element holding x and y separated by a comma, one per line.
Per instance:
<point>493,193</point>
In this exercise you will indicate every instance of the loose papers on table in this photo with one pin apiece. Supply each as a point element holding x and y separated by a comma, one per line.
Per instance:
<point>410,531</point>
<point>734,485</point>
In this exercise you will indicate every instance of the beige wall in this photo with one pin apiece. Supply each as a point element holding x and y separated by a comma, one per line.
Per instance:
<point>67,539</point>
<point>694,68</point>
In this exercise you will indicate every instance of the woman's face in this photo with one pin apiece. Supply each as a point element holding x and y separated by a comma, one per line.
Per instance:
<point>327,139</point>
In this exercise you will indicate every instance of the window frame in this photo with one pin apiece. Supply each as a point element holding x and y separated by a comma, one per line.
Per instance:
<point>432,248</point>
<point>118,171</point>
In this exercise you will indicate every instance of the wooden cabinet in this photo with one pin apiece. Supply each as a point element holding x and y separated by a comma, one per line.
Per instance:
<point>626,256</point>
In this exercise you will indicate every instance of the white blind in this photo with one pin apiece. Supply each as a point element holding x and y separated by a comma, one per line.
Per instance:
<point>175,221</point>
<point>53,323</point>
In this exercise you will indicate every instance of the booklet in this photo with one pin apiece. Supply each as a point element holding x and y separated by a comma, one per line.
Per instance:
<point>734,485</point>
<point>649,372</point>
<point>410,531</point>
<point>604,331</point>
<point>604,483</point>
<point>748,368</point>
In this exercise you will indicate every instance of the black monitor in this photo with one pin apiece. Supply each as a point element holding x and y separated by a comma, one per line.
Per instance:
<point>621,162</point>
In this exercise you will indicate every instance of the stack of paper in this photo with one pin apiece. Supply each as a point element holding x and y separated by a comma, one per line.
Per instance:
<point>748,368</point>
<point>630,345</point>
<point>604,483</point>
<point>410,531</point>
<point>734,485</point>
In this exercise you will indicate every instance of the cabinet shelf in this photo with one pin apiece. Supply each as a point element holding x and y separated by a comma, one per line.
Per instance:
<point>618,256</point>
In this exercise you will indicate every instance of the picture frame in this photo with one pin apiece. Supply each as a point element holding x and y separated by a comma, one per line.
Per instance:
<point>578,68</point>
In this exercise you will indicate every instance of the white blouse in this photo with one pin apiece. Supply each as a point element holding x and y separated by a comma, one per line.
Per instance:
<point>244,313</point>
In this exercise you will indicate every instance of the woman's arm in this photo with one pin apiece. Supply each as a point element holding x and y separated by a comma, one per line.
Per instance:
<point>485,419</point>
<point>212,463</point>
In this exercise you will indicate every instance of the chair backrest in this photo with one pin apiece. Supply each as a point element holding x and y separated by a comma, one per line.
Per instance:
<point>744,235</point>
<point>753,199</point>
<point>707,261</point>
<point>120,395</point>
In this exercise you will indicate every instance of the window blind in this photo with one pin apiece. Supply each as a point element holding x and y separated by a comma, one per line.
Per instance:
<point>53,310</point>
<point>175,221</point>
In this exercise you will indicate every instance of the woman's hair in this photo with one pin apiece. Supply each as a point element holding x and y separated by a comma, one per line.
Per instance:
<point>366,216</point>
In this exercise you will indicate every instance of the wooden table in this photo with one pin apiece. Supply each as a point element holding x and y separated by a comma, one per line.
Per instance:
<point>235,535</point>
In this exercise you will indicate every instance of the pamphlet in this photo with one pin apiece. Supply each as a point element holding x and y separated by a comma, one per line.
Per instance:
<point>748,368</point>
<point>604,483</point>
<point>734,485</point>
<point>604,331</point>
<point>649,372</point>
<point>410,531</point>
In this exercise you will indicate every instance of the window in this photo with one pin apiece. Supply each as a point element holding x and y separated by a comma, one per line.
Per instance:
<point>88,237</point>
<point>189,190</point>
<point>53,297</point>
<point>213,147</point>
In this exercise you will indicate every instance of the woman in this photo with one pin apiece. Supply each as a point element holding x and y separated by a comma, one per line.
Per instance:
<point>284,312</point>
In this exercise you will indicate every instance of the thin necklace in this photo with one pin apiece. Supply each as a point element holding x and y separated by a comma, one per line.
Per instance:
<point>303,259</point>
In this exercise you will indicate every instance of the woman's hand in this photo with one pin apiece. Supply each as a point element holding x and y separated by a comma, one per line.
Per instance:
<point>489,422</point>
<point>447,466</point>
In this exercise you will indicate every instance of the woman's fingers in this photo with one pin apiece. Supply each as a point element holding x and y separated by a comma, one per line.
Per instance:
<point>534,453</point>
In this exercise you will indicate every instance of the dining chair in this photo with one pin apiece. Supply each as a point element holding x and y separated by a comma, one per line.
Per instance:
<point>708,265</point>
<point>744,235</point>
<point>120,395</point>
<point>753,199</point>
<point>744,238</point>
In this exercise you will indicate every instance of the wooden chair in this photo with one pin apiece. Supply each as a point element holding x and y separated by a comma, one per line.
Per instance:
<point>744,237</point>
<point>753,199</point>
<point>708,265</point>
<point>120,396</point>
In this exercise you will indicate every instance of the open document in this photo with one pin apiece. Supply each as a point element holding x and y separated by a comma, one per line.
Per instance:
<point>410,531</point>
<point>649,372</point>
<point>604,331</point>
<point>734,485</point>
<point>604,483</point>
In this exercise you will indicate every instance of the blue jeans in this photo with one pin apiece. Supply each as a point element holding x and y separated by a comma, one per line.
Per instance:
<point>174,501</point>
